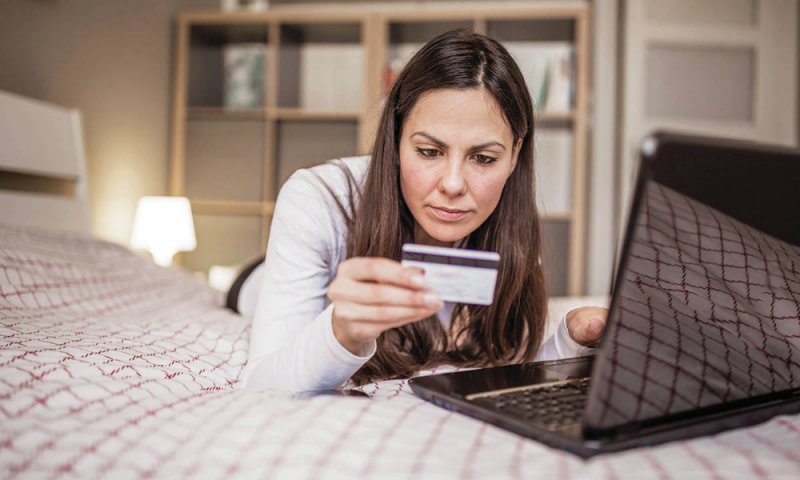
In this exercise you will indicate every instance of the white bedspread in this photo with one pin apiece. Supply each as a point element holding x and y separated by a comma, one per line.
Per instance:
<point>112,367</point>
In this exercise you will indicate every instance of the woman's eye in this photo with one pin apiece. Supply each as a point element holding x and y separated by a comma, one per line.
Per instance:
<point>428,152</point>
<point>484,159</point>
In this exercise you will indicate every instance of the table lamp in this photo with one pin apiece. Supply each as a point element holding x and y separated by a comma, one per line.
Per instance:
<point>163,226</point>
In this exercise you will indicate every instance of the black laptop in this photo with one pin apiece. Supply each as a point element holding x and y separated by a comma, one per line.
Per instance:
<point>703,333</point>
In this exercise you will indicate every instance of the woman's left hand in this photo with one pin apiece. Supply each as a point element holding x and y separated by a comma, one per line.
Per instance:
<point>586,324</point>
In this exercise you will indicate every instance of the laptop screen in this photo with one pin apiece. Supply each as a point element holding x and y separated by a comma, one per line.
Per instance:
<point>706,307</point>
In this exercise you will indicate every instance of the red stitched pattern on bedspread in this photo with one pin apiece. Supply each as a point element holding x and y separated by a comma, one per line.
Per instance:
<point>111,367</point>
<point>88,330</point>
<point>72,306</point>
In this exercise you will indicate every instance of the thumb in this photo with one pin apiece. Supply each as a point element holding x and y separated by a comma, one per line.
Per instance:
<point>593,330</point>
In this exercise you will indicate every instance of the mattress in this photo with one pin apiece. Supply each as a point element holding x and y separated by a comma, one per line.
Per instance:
<point>113,367</point>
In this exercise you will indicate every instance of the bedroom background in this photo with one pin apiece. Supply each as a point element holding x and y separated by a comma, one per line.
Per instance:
<point>112,367</point>
<point>113,60</point>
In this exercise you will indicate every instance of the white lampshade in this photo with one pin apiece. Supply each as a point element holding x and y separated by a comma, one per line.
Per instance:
<point>163,226</point>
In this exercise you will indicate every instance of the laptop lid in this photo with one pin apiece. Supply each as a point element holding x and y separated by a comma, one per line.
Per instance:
<point>705,313</point>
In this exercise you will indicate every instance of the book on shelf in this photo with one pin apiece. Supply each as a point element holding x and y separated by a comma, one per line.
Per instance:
<point>331,77</point>
<point>244,75</point>
<point>549,71</point>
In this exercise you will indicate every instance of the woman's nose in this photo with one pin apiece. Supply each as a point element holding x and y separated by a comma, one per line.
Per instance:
<point>452,181</point>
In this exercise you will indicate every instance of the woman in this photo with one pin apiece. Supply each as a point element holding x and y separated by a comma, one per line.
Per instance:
<point>452,165</point>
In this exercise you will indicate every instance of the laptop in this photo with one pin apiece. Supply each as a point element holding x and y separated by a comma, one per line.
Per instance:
<point>703,333</point>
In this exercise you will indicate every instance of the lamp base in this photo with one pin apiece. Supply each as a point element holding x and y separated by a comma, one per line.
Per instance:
<point>163,257</point>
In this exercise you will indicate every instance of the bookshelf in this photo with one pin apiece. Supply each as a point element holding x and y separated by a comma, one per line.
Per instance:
<point>325,72</point>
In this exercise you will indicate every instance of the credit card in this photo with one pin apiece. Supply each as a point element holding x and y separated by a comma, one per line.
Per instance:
<point>455,274</point>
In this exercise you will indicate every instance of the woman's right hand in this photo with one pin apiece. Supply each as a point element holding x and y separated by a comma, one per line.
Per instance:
<point>371,295</point>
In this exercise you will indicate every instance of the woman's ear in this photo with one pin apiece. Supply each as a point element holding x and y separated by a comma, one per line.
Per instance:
<point>515,155</point>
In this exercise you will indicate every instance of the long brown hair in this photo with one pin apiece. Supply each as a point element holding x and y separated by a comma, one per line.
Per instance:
<point>511,328</point>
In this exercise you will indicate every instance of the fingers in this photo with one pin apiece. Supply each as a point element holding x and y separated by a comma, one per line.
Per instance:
<point>593,330</point>
<point>372,295</point>
<point>354,325</point>
<point>382,316</point>
<point>381,282</point>
<point>381,294</point>
<point>586,325</point>
<point>383,270</point>
<point>360,323</point>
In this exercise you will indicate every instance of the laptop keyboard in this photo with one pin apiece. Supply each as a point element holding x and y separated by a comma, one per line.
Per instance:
<point>552,406</point>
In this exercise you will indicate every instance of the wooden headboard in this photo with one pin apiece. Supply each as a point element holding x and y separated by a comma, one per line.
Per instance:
<point>42,166</point>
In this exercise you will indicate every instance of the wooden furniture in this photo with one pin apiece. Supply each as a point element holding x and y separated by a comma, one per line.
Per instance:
<point>326,72</point>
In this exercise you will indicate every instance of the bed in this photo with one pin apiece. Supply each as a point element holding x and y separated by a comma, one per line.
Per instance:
<point>113,367</point>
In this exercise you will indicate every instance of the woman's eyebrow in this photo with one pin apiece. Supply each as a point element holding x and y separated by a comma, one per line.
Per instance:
<point>436,141</point>
<point>439,143</point>
<point>483,145</point>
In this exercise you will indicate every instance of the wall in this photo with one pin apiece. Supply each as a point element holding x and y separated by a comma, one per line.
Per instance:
<point>112,60</point>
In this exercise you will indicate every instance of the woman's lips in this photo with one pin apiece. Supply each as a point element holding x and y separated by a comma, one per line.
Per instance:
<point>448,214</point>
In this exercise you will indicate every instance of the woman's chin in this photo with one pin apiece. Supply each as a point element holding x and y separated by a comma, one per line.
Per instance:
<point>441,234</point>
<point>442,237</point>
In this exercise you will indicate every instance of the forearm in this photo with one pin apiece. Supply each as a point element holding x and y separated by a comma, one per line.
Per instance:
<point>311,360</point>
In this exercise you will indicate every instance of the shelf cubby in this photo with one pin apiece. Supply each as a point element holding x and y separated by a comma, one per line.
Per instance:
<point>206,57</point>
<point>224,160</point>
<point>331,139</point>
<point>321,67</point>
<point>544,49</point>
<point>224,240</point>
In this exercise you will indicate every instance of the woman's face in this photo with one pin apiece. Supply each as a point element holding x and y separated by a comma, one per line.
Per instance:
<point>456,153</point>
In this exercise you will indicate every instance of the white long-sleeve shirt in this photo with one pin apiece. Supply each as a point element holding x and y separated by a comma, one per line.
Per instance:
<point>292,345</point>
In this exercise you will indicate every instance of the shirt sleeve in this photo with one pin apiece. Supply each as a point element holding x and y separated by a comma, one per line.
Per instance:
<point>561,345</point>
<point>292,345</point>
